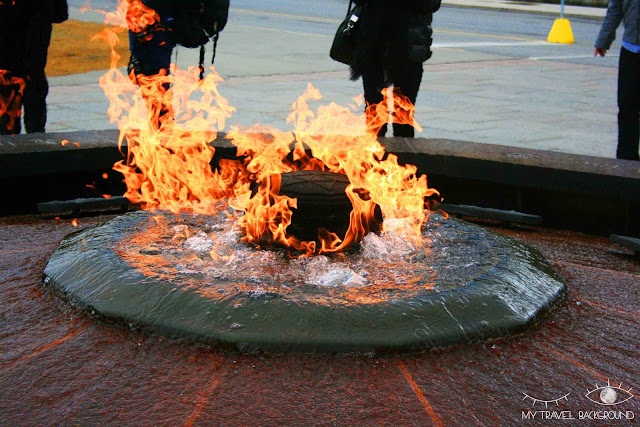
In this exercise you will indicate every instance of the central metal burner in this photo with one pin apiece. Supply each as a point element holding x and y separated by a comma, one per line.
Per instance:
<point>191,276</point>
<point>322,203</point>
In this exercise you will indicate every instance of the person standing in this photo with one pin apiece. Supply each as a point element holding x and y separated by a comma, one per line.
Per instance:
<point>628,71</point>
<point>392,42</point>
<point>25,34</point>
<point>190,23</point>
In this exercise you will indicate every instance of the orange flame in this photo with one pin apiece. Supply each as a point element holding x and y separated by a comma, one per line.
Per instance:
<point>168,122</point>
<point>11,99</point>
<point>140,17</point>
<point>335,139</point>
<point>130,14</point>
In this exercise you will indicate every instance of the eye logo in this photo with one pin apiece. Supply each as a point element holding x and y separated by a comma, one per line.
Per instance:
<point>609,395</point>
<point>545,402</point>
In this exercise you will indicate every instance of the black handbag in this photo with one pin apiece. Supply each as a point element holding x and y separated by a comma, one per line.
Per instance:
<point>344,43</point>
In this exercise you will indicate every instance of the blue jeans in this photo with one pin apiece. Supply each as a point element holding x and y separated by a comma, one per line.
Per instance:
<point>404,76</point>
<point>148,57</point>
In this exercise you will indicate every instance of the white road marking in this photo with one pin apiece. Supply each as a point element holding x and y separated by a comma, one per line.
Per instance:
<point>540,58</point>
<point>278,30</point>
<point>489,44</point>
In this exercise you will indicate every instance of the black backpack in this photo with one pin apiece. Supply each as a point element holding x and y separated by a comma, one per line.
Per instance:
<point>195,22</point>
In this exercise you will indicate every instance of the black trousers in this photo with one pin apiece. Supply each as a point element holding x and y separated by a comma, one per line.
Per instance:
<point>405,77</point>
<point>24,41</point>
<point>628,105</point>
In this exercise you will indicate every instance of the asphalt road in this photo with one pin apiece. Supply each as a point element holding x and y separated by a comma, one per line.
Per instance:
<point>461,34</point>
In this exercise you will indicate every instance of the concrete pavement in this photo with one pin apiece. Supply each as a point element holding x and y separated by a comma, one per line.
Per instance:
<point>527,6</point>
<point>468,94</point>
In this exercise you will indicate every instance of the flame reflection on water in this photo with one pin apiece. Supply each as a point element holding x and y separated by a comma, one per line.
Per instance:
<point>206,254</point>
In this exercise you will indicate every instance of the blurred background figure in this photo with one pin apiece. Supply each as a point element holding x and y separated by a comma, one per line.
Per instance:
<point>628,71</point>
<point>392,41</point>
<point>25,34</point>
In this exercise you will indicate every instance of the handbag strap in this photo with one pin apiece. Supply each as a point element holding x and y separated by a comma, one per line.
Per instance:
<point>349,9</point>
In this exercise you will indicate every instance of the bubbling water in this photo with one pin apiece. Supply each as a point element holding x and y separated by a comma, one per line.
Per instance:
<point>210,250</point>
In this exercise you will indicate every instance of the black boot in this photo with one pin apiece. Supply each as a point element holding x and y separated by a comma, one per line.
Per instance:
<point>406,131</point>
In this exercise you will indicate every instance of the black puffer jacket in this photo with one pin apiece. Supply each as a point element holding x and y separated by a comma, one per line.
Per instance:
<point>393,31</point>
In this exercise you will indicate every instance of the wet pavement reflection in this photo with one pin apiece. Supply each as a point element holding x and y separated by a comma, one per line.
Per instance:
<point>59,366</point>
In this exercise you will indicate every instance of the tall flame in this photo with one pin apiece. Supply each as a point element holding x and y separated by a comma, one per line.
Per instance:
<point>168,122</point>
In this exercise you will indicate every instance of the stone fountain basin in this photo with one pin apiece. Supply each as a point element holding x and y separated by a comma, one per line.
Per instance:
<point>467,285</point>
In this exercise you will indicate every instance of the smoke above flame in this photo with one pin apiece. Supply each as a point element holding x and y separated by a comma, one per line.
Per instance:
<point>169,121</point>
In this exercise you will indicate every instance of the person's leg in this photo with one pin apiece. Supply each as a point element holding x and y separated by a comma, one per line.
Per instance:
<point>150,56</point>
<point>151,49</point>
<point>37,87</point>
<point>406,79</point>
<point>373,82</point>
<point>628,105</point>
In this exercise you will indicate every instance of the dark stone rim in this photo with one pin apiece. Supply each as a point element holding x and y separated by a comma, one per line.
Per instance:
<point>493,305</point>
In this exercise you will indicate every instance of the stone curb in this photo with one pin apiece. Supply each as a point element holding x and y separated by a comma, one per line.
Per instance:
<point>574,191</point>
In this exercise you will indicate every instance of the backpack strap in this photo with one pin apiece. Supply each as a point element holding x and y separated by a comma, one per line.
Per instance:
<point>215,46</point>
<point>213,57</point>
<point>201,63</point>
<point>349,9</point>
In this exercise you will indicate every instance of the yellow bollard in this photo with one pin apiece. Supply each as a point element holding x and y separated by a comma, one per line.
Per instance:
<point>561,32</point>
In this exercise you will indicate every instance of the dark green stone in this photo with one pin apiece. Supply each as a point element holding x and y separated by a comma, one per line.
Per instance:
<point>467,300</point>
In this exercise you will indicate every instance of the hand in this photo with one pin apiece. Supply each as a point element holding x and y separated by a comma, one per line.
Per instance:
<point>600,51</point>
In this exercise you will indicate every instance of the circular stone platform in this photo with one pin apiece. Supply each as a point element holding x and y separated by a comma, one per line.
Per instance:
<point>191,276</point>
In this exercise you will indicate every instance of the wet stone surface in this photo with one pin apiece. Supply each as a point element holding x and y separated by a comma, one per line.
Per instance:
<point>192,276</point>
<point>61,366</point>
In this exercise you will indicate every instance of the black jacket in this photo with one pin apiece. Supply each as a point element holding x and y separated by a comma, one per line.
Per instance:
<point>192,22</point>
<point>393,31</point>
<point>415,6</point>
<point>214,11</point>
<point>50,11</point>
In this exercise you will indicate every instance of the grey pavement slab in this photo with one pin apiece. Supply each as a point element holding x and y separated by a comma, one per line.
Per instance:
<point>499,115</point>
<point>531,7</point>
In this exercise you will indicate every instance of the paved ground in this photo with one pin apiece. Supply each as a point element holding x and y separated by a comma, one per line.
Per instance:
<point>481,87</point>
<point>58,366</point>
